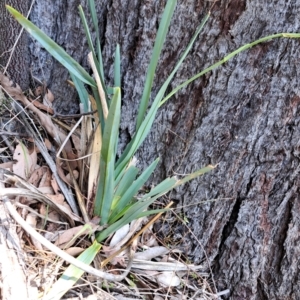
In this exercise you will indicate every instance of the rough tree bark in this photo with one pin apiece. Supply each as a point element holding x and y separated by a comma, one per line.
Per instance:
<point>18,67</point>
<point>244,116</point>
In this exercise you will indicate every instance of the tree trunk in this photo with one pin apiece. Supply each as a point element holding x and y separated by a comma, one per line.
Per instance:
<point>14,57</point>
<point>244,117</point>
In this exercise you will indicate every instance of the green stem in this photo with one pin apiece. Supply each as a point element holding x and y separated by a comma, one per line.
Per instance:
<point>227,57</point>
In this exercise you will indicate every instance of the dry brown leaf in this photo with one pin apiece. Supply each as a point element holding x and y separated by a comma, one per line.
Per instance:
<point>25,162</point>
<point>46,190</point>
<point>48,98</point>
<point>58,199</point>
<point>53,215</point>
<point>72,159</point>
<point>31,219</point>
<point>76,143</point>
<point>55,185</point>
<point>38,91</point>
<point>46,179</point>
<point>36,176</point>
<point>69,178</point>
<point>44,107</point>
<point>74,251</point>
<point>67,238</point>
<point>168,279</point>
<point>45,120</point>
<point>8,165</point>
<point>48,144</point>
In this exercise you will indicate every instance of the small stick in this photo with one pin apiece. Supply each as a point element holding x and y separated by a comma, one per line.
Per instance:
<point>73,116</point>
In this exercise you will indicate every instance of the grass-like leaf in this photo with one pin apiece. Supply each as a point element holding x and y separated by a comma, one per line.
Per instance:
<point>117,67</point>
<point>226,58</point>
<point>138,209</point>
<point>146,125</point>
<point>55,50</point>
<point>132,191</point>
<point>98,65</point>
<point>105,191</point>
<point>87,31</point>
<point>72,274</point>
<point>124,184</point>
<point>81,90</point>
<point>93,13</point>
<point>159,41</point>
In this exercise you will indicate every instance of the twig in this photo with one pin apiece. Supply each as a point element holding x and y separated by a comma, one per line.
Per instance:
<point>26,135</point>
<point>73,116</point>
<point>62,254</point>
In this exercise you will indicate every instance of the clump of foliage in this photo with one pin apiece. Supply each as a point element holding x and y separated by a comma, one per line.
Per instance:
<point>120,181</point>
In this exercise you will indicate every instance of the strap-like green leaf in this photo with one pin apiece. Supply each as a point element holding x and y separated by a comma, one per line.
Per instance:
<point>125,183</point>
<point>117,67</point>
<point>99,66</point>
<point>72,274</point>
<point>81,90</point>
<point>93,13</point>
<point>146,124</point>
<point>55,50</point>
<point>159,41</point>
<point>105,191</point>
<point>138,209</point>
<point>133,190</point>
<point>87,31</point>
<point>226,58</point>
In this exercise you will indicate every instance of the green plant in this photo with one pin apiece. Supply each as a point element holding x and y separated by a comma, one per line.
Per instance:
<point>119,183</point>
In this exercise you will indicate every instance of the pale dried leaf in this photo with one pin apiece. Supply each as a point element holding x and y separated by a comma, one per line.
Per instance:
<point>48,145</point>
<point>94,162</point>
<point>46,178</point>
<point>25,162</point>
<point>55,185</point>
<point>74,251</point>
<point>31,219</point>
<point>168,279</point>
<point>69,178</point>
<point>119,235</point>
<point>36,176</point>
<point>49,98</point>
<point>76,143</point>
<point>7,165</point>
<point>38,91</point>
<point>69,236</point>
<point>46,190</point>
<point>163,266</point>
<point>151,253</point>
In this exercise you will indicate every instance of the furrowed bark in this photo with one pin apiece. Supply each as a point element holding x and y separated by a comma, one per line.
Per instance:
<point>18,68</point>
